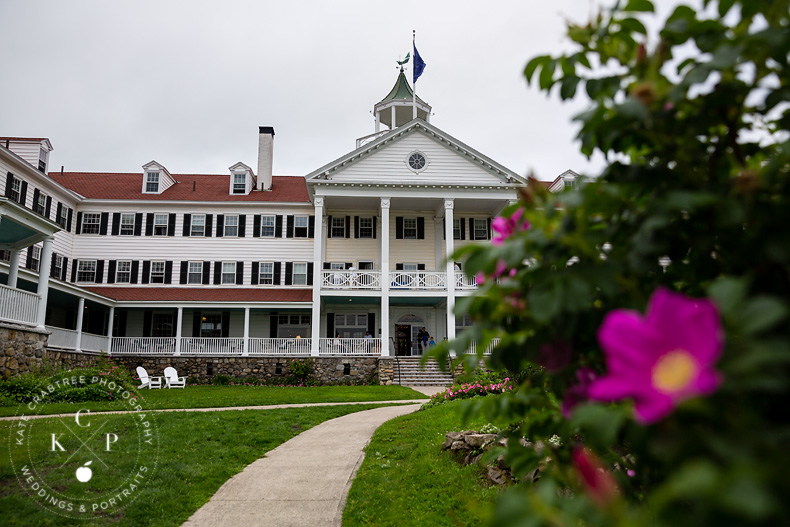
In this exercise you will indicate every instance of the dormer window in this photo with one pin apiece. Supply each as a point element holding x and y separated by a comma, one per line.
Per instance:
<point>152,182</point>
<point>42,160</point>
<point>239,183</point>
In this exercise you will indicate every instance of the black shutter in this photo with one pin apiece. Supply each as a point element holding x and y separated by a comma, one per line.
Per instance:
<point>310,269</point>
<point>29,260</point>
<point>171,224</point>
<point>356,226</point>
<point>111,272</point>
<point>348,226</point>
<point>254,277</point>
<point>327,265</point>
<point>421,267</point>
<point>256,226</point>
<point>74,270</point>
<point>277,267</point>
<point>147,324</point>
<point>289,227</point>
<point>372,324</point>
<point>242,225</point>
<point>206,275</point>
<point>68,221</point>
<point>9,181</point>
<point>220,225</point>
<point>105,219</point>
<point>273,319</point>
<point>311,227</point>
<point>48,207</point>
<point>187,224</point>
<point>78,230</point>
<point>471,228</point>
<point>146,271</point>
<point>64,269</point>
<point>375,220</point>
<point>444,230</point>
<point>217,273</point>
<point>135,271</point>
<point>23,194</point>
<point>99,271</point>
<point>149,224</point>
<point>329,226</point>
<point>225,324</point>
<point>278,226</point>
<point>138,224</point>
<point>52,266</point>
<point>169,272</point>
<point>36,194</point>
<point>182,275</point>
<point>399,267</point>
<point>488,232</point>
<point>463,228</point>
<point>420,228</point>
<point>289,273</point>
<point>58,210</point>
<point>399,227</point>
<point>116,223</point>
<point>330,325</point>
<point>239,272</point>
<point>209,225</point>
<point>196,321</point>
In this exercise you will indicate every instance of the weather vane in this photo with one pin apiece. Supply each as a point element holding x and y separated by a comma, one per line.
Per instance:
<point>404,61</point>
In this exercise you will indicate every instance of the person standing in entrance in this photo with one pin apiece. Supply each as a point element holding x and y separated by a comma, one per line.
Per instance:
<point>420,337</point>
<point>425,336</point>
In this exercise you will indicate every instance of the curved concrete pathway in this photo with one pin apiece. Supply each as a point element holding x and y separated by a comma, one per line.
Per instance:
<point>302,482</point>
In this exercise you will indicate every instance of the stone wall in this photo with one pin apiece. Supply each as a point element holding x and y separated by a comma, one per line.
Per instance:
<point>327,370</point>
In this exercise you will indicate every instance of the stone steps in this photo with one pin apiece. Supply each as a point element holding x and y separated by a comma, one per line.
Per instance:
<point>408,371</point>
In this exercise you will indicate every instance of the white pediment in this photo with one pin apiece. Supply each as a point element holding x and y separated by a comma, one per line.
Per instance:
<point>386,161</point>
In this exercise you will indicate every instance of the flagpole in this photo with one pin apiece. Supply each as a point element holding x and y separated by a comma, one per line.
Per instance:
<point>414,90</point>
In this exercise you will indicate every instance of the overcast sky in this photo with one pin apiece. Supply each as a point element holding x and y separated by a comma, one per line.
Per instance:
<point>115,84</point>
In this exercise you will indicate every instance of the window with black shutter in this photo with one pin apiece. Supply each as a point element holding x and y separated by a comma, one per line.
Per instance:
<point>206,273</point>
<point>105,220</point>
<point>149,224</point>
<point>278,226</point>
<point>171,224</point>
<point>239,272</point>
<point>242,225</point>
<point>289,269</point>
<point>277,276</point>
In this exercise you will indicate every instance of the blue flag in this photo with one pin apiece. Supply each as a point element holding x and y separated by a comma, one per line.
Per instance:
<point>419,64</point>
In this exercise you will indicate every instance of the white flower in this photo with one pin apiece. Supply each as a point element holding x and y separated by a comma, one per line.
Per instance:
<point>555,440</point>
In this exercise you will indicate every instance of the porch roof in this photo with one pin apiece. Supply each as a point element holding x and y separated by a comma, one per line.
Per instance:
<point>195,294</point>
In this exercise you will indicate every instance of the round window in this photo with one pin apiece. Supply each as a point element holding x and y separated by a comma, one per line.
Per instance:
<point>416,161</point>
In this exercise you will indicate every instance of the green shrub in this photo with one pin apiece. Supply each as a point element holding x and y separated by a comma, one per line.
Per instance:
<point>221,380</point>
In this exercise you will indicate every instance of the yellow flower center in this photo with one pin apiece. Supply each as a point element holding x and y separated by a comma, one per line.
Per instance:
<point>674,371</point>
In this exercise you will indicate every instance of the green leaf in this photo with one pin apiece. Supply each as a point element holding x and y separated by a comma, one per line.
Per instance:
<point>644,6</point>
<point>568,87</point>
<point>762,313</point>
<point>725,6</point>
<point>599,424</point>
<point>633,25</point>
<point>546,78</point>
<point>728,294</point>
<point>545,301</point>
<point>533,65</point>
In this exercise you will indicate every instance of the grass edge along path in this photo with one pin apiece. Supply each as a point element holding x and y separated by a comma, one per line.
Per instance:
<point>406,479</point>
<point>191,466</point>
<point>235,396</point>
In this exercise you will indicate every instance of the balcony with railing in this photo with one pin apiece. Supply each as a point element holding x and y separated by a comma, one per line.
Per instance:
<point>234,347</point>
<point>18,306</point>
<point>350,279</point>
<point>361,280</point>
<point>69,339</point>
<point>351,347</point>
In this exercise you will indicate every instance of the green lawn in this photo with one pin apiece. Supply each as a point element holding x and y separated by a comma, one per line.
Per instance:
<point>219,396</point>
<point>406,479</point>
<point>198,453</point>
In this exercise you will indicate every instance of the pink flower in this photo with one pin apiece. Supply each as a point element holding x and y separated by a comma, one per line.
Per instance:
<point>598,482</point>
<point>662,359</point>
<point>505,227</point>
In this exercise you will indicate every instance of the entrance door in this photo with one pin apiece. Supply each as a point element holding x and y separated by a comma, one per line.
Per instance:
<point>403,339</point>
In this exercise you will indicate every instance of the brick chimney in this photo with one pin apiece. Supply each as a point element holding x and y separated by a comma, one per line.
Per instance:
<point>265,157</point>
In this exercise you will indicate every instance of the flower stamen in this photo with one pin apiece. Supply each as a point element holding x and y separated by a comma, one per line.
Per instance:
<point>674,371</point>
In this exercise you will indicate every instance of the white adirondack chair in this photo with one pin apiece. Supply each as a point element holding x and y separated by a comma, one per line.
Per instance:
<point>148,382</point>
<point>172,380</point>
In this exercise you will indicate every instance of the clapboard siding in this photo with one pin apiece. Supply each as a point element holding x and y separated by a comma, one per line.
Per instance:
<point>445,165</point>
<point>413,251</point>
<point>29,151</point>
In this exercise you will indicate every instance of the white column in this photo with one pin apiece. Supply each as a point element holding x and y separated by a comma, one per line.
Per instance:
<point>449,244</point>
<point>246,350</point>
<point>438,223</point>
<point>80,313</point>
<point>392,113</point>
<point>318,245</point>
<point>385,275</point>
<point>378,121</point>
<point>43,280</point>
<point>110,325</point>
<point>179,323</point>
<point>13,268</point>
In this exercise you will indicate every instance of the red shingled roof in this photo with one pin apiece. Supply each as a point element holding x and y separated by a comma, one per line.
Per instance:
<point>24,139</point>
<point>208,187</point>
<point>197,294</point>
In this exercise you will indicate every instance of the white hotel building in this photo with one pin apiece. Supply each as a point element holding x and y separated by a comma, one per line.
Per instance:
<point>247,263</point>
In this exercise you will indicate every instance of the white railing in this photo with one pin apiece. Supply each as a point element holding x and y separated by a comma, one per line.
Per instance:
<point>418,280</point>
<point>18,306</point>
<point>349,346</point>
<point>464,282</point>
<point>348,279</point>
<point>211,346</point>
<point>279,347</point>
<point>67,339</point>
<point>369,138</point>
<point>491,345</point>
<point>143,345</point>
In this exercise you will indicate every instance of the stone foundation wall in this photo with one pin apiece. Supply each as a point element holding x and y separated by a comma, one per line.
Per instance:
<point>327,370</point>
